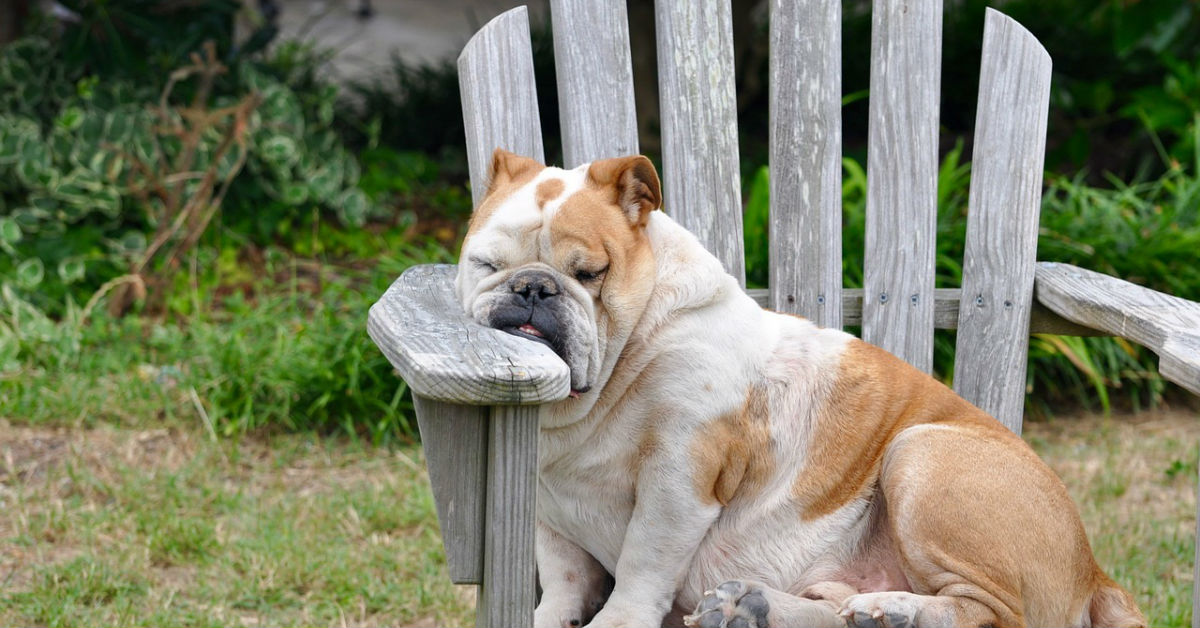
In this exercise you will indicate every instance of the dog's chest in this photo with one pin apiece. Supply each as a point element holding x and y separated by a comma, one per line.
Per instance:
<point>588,497</point>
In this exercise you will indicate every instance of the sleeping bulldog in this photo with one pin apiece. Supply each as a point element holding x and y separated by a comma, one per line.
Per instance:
<point>744,465</point>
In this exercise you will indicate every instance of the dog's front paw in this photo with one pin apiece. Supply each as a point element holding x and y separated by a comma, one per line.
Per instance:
<point>733,604</point>
<point>889,609</point>
<point>614,616</point>
<point>546,616</point>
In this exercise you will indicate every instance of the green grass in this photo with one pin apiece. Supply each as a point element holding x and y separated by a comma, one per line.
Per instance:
<point>163,527</point>
<point>1134,479</point>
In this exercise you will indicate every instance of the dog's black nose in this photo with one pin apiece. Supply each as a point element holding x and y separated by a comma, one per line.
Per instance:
<point>534,285</point>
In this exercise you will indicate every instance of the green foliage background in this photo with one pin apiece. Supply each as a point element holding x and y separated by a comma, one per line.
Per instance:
<point>262,326</point>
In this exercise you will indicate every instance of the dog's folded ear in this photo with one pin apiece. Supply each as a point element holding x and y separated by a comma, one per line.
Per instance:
<point>635,184</point>
<point>508,166</point>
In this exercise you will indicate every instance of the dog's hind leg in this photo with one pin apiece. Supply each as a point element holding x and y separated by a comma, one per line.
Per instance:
<point>985,533</point>
<point>749,604</point>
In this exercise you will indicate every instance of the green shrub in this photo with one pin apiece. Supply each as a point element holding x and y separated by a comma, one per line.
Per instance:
<point>102,179</point>
<point>285,350</point>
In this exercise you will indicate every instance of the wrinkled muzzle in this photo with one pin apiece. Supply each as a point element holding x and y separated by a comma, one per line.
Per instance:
<point>534,303</point>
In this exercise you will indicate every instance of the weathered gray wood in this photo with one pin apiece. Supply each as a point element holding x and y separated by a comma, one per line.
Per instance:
<point>595,79</point>
<point>1196,567</point>
<point>1002,222</point>
<point>455,441</point>
<point>1167,325</point>
<point>902,169</point>
<point>506,597</point>
<point>806,159</point>
<point>945,312</point>
<point>421,327</point>
<point>499,97</point>
<point>701,179</point>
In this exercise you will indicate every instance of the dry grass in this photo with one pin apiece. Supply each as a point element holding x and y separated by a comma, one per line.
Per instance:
<point>163,527</point>
<point>1134,478</point>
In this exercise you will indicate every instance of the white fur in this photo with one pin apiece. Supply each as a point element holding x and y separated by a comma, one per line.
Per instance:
<point>708,343</point>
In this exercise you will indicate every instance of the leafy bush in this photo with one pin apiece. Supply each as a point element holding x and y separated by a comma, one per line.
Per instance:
<point>286,350</point>
<point>107,177</point>
<point>141,38</point>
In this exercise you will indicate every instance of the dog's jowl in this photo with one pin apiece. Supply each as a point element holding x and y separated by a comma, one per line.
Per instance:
<point>730,466</point>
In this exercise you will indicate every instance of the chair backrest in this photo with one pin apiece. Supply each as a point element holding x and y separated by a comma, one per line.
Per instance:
<point>898,308</point>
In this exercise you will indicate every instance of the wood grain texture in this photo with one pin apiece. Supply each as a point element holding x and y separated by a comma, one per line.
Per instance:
<point>507,595</point>
<point>499,97</point>
<point>595,80</point>
<point>1167,325</point>
<point>701,177</point>
<point>805,145</point>
<point>455,441</point>
<point>945,312</point>
<point>421,327</point>
<point>1002,220</point>
<point>902,168</point>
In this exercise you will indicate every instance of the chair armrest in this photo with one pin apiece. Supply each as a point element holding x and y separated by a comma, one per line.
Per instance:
<point>421,327</point>
<point>1167,325</point>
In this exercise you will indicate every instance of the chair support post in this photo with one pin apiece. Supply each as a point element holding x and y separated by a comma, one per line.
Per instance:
<point>1196,568</point>
<point>507,593</point>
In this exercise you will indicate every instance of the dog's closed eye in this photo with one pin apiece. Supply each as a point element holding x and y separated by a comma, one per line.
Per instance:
<point>585,276</point>
<point>484,265</point>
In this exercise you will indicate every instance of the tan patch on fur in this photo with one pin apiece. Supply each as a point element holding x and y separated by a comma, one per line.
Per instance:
<point>547,191</point>
<point>1113,606</point>
<point>952,496</point>
<point>874,396</point>
<point>732,455</point>
<point>509,172</point>
<point>632,184</point>
<point>590,232</point>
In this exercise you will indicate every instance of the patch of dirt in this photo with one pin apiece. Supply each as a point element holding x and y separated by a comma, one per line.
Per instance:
<point>1179,423</point>
<point>1143,465</point>
<point>29,454</point>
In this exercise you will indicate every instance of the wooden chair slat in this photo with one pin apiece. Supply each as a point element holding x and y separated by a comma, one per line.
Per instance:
<point>806,159</point>
<point>499,96</point>
<point>1167,325</point>
<point>1002,222</point>
<point>701,177</point>
<point>902,170</point>
<point>456,473</point>
<point>595,79</point>
<point>509,590</point>
<point>1196,566</point>
<point>500,109</point>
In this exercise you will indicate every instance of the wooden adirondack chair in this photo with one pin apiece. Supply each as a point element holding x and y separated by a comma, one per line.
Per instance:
<point>477,391</point>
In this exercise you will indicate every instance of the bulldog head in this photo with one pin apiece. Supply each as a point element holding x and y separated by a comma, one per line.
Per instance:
<point>561,257</point>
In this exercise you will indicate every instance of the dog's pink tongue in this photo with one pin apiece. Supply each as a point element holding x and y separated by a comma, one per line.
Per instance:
<point>531,330</point>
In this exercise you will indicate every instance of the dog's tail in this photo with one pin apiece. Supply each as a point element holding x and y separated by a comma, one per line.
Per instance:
<point>1112,606</point>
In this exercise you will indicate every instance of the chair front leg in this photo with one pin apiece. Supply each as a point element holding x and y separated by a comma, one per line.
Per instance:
<point>507,592</point>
